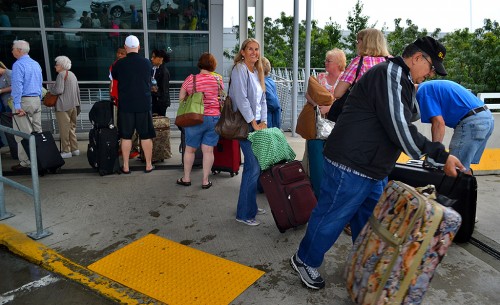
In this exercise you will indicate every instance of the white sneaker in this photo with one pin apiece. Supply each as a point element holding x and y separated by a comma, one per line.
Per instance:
<point>261,211</point>
<point>66,155</point>
<point>249,222</point>
<point>75,152</point>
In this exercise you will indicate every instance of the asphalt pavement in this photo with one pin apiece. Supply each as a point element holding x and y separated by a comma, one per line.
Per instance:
<point>91,216</point>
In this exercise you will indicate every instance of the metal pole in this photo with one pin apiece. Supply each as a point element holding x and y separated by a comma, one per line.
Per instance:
<point>295,87</point>
<point>308,45</point>
<point>3,212</point>
<point>40,232</point>
<point>243,21</point>
<point>259,24</point>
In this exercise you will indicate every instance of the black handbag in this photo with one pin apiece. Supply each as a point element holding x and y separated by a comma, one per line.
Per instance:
<point>338,104</point>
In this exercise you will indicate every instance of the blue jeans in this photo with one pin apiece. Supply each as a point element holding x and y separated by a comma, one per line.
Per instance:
<point>470,136</point>
<point>247,200</point>
<point>203,133</point>
<point>345,197</point>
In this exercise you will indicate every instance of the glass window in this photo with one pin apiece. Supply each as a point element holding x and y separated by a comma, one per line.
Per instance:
<point>19,14</point>
<point>178,15</point>
<point>36,49</point>
<point>91,53</point>
<point>184,50</point>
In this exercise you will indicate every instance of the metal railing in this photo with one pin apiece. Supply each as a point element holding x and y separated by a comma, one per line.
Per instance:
<point>34,191</point>
<point>281,76</point>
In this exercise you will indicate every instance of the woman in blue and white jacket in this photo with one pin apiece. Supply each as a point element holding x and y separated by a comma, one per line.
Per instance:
<point>247,91</point>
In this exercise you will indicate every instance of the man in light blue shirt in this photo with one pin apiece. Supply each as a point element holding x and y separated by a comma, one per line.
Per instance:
<point>26,94</point>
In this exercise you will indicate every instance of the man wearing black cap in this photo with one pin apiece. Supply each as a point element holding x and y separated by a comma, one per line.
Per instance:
<point>370,134</point>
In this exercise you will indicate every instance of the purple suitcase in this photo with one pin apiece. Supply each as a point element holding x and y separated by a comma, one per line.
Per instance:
<point>394,257</point>
<point>289,193</point>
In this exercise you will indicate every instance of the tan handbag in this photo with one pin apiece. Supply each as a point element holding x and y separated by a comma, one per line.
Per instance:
<point>306,122</point>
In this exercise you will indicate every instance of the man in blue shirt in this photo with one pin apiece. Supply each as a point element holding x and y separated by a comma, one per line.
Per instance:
<point>446,103</point>
<point>26,94</point>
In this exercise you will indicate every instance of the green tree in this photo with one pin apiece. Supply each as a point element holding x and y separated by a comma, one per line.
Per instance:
<point>398,39</point>
<point>356,22</point>
<point>278,41</point>
<point>472,59</point>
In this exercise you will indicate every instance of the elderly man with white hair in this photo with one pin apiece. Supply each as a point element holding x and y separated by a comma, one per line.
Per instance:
<point>66,87</point>
<point>26,93</point>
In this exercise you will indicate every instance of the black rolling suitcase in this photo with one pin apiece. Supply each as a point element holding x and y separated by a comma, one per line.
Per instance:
<point>463,189</point>
<point>102,151</point>
<point>48,155</point>
<point>289,193</point>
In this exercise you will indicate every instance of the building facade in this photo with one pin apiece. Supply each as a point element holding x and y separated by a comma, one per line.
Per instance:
<point>90,31</point>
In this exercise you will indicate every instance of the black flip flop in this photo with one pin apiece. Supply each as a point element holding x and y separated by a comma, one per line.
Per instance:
<point>206,186</point>
<point>183,183</point>
<point>125,172</point>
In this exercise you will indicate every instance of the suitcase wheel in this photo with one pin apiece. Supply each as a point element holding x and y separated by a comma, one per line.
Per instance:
<point>232,174</point>
<point>54,170</point>
<point>216,172</point>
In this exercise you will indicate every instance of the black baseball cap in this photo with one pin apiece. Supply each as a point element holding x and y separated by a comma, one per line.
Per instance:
<point>435,50</point>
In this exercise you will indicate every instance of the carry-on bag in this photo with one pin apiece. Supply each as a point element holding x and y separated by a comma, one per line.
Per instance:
<point>161,143</point>
<point>102,151</point>
<point>394,257</point>
<point>462,189</point>
<point>227,157</point>
<point>48,155</point>
<point>101,114</point>
<point>289,193</point>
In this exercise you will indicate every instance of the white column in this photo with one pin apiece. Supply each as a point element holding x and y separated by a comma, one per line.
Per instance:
<point>216,28</point>
<point>243,20</point>
<point>308,44</point>
<point>295,88</point>
<point>259,24</point>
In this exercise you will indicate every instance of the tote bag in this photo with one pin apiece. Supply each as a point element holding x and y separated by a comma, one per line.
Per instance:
<point>191,110</point>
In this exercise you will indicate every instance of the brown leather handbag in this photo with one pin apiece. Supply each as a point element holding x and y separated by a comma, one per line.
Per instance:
<point>231,124</point>
<point>50,99</point>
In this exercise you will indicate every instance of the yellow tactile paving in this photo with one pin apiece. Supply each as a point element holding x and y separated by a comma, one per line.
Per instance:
<point>37,253</point>
<point>176,274</point>
<point>490,160</point>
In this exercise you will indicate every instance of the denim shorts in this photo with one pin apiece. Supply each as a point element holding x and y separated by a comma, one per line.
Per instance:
<point>203,133</point>
<point>470,136</point>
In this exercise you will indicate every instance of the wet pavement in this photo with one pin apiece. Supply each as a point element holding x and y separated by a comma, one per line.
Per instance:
<point>92,216</point>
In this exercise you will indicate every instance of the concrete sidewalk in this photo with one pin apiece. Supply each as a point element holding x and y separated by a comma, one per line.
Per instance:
<point>92,216</point>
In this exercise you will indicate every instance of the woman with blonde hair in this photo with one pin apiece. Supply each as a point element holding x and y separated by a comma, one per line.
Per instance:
<point>66,87</point>
<point>273,103</point>
<point>372,50</point>
<point>247,90</point>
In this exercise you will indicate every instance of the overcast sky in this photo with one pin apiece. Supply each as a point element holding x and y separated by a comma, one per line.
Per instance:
<point>448,15</point>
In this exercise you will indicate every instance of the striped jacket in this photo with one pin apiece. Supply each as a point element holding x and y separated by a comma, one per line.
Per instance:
<point>376,123</point>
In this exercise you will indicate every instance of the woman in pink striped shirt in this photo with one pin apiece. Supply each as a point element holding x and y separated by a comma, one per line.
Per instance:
<point>204,134</point>
<point>372,46</point>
